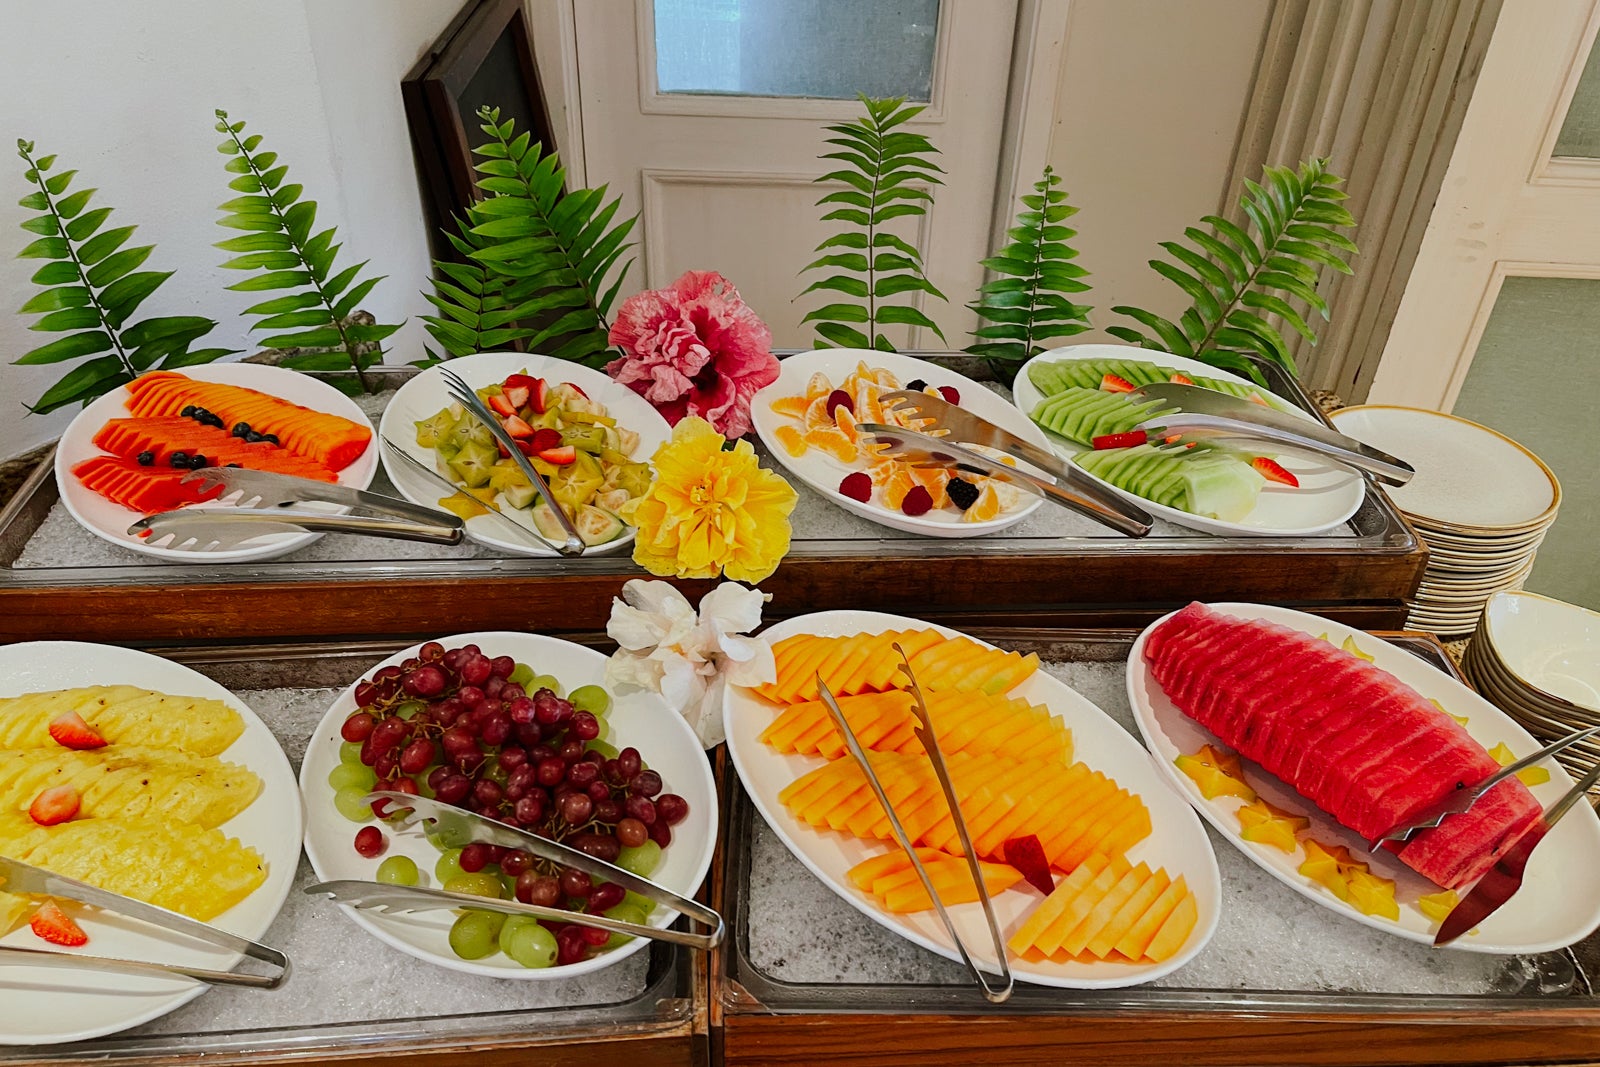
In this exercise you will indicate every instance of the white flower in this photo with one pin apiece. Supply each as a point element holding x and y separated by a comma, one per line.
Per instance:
<point>689,658</point>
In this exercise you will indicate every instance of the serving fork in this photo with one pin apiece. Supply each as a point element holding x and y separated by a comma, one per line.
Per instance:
<point>930,745</point>
<point>463,394</point>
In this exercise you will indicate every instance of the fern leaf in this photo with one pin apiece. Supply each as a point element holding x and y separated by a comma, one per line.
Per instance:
<point>90,290</point>
<point>1028,304</point>
<point>282,251</point>
<point>886,174</point>
<point>1241,283</point>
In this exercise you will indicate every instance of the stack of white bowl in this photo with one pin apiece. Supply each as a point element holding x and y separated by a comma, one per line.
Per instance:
<point>1538,660</point>
<point>1480,501</point>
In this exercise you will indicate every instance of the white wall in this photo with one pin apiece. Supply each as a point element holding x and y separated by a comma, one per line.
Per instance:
<point>1147,113</point>
<point>125,92</point>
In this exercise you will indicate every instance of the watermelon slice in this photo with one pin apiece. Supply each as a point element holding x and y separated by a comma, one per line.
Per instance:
<point>1354,740</point>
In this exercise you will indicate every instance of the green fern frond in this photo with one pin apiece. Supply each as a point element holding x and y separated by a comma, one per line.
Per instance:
<point>279,246</point>
<point>90,289</point>
<point>883,178</point>
<point>1028,304</point>
<point>1236,278</point>
<point>474,312</point>
<point>554,250</point>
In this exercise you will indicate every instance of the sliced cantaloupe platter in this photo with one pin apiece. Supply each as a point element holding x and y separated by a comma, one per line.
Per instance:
<point>1134,885</point>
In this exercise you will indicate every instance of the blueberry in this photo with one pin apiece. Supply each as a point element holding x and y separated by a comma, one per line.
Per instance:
<point>197,461</point>
<point>241,429</point>
<point>147,459</point>
<point>271,438</point>
<point>252,437</point>
<point>188,412</point>
<point>237,466</point>
<point>179,460</point>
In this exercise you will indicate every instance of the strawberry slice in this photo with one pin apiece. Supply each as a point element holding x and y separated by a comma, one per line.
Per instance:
<point>1180,378</point>
<point>1027,856</point>
<point>55,805</point>
<point>56,926</point>
<point>70,731</point>
<point>560,456</point>
<point>502,405</point>
<point>576,388</point>
<point>1115,383</point>
<point>516,427</point>
<point>539,400</point>
<point>544,437</point>
<point>1120,440</point>
<point>518,388</point>
<point>1273,471</point>
<point>516,396</point>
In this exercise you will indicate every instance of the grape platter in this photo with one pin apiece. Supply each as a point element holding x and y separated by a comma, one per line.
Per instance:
<point>494,736</point>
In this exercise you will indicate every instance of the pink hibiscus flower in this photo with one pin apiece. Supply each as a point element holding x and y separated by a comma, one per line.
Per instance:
<point>694,348</point>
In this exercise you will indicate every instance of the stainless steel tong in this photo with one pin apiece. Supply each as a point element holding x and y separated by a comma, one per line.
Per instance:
<point>492,510</point>
<point>930,744</point>
<point>1462,799</point>
<point>1075,490</point>
<point>1205,414</point>
<point>17,877</point>
<point>462,394</point>
<point>460,824</point>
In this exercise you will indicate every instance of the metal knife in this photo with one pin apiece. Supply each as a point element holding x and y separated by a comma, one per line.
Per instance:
<point>18,877</point>
<point>1208,414</point>
<point>1084,495</point>
<point>1505,877</point>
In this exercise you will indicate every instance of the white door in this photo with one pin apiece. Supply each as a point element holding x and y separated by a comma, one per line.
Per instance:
<point>707,117</point>
<point>1500,321</point>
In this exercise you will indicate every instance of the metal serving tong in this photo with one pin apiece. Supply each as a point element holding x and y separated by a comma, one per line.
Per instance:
<point>462,394</point>
<point>930,745</point>
<point>16,877</point>
<point>262,504</point>
<point>1074,489</point>
<point>449,487</point>
<point>1207,414</point>
<point>464,825</point>
<point>1463,799</point>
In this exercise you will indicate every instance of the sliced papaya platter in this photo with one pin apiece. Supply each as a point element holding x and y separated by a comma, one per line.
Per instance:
<point>1100,875</point>
<point>1307,848</point>
<point>124,456</point>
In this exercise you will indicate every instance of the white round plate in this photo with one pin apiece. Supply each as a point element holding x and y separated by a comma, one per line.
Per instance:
<point>1328,494</point>
<point>1176,842</point>
<point>1469,478</point>
<point>642,720</point>
<point>47,1004</point>
<point>1549,646</point>
<point>110,521</point>
<point>823,473</point>
<point>424,395</point>
<point>1551,911</point>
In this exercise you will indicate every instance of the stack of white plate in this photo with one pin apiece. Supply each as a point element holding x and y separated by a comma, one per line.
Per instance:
<point>1538,660</point>
<point>1482,502</point>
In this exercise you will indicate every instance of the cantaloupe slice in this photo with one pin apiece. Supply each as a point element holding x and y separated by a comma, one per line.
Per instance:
<point>1104,910</point>
<point>1144,929</point>
<point>1104,942</point>
<point>1080,906</point>
<point>1052,907</point>
<point>1174,932</point>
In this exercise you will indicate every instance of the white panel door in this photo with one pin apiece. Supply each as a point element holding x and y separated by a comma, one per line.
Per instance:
<point>707,117</point>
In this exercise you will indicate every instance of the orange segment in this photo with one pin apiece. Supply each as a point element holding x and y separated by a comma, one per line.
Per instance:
<point>986,507</point>
<point>834,443</point>
<point>899,484</point>
<point>790,406</point>
<point>819,385</point>
<point>817,415</point>
<point>792,440</point>
<point>845,421</point>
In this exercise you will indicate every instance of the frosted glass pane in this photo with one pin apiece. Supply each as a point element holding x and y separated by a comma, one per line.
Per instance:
<point>832,49</point>
<point>1580,130</point>
<point>1534,378</point>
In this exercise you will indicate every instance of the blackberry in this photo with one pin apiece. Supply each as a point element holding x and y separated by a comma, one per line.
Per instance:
<point>146,459</point>
<point>241,429</point>
<point>917,384</point>
<point>180,460</point>
<point>963,494</point>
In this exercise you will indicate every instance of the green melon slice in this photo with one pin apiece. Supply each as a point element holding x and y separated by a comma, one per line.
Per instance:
<point>1204,482</point>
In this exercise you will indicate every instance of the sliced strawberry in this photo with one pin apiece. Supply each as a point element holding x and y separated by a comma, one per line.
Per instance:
<point>576,388</point>
<point>1180,378</point>
<point>56,926</point>
<point>544,437</point>
<point>560,456</point>
<point>525,446</point>
<point>1120,440</point>
<point>516,427</point>
<point>56,804</point>
<point>1115,383</point>
<point>502,405</point>
<point>1273,471</point>
<point>1027,856</point>
<point>70,731</point>
<point>539,400</point>
<point>517,395</point>
<point>504,454</point>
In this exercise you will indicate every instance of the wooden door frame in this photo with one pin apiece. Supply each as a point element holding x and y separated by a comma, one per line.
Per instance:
<point>1507,207</point>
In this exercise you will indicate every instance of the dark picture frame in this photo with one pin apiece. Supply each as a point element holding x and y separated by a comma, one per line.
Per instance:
<point>485,56</point>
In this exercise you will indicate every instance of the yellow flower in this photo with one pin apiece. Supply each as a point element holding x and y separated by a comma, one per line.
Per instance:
<point>710,511</point>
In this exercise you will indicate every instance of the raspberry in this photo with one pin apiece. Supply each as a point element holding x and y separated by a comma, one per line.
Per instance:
<point>949,393</point>
<point>858,486</point>
<point>917,501</point>
<point>840,399</point>
<point>916,383</point>
<point>963,494</point>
